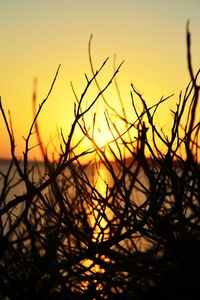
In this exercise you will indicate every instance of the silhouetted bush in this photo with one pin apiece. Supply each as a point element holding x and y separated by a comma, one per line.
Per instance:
<point>62,238</point>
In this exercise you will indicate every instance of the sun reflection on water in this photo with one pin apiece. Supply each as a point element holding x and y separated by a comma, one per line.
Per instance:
<point>98,217</point>
<point>102,214</point>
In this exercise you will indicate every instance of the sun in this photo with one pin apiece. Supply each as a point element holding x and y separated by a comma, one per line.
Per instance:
<point>103,132</point>
<point>102,137</point>
<point>107,135</point>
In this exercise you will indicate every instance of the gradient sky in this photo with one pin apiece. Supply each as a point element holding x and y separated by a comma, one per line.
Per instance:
<point>37,36</point>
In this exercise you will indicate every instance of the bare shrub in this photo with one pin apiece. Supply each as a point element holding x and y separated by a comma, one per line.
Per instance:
<point>64,238</point>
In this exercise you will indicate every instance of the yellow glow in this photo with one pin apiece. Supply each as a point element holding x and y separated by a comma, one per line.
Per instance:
<point>100,211</point>
<point>102,137</point>
<point>34,43</point>
<point>100,233</point>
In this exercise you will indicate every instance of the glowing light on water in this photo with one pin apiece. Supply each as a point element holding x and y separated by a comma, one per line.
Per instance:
<point>101,213</point>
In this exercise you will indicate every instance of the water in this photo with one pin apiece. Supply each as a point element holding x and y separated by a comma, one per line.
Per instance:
<point>104,207</point>
<point>98,177</point>
<point>15,186</point>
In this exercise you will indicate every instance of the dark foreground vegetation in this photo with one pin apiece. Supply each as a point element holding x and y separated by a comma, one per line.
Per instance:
<point>61,238</point>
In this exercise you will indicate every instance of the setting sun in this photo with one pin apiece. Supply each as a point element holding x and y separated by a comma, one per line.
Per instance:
<point>102,137</point>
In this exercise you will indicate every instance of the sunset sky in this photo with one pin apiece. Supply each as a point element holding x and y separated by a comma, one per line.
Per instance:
<point>37,36</point>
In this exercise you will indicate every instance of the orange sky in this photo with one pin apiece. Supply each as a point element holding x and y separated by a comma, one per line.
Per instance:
<point>37,36</point>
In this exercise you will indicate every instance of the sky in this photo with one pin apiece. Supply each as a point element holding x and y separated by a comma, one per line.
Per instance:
<point>37,36</point>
